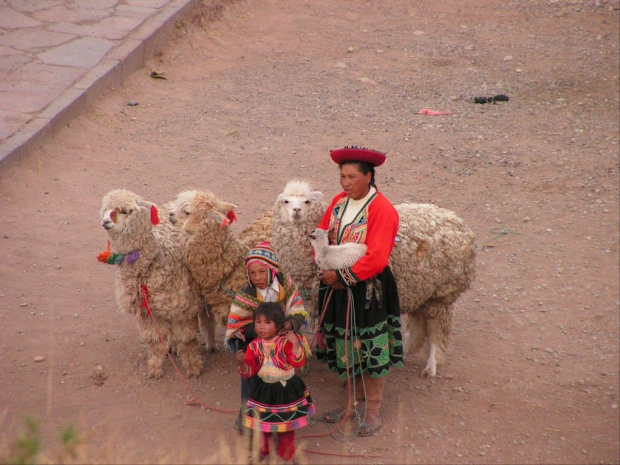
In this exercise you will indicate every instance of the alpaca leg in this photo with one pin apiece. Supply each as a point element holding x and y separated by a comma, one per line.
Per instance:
<point>430,369</point>
<point>207,326</point>
<point>172,349</point>
<point>188,347</point>
<point>439,328</point>
<point>156,347</point>
<point>416,329</point>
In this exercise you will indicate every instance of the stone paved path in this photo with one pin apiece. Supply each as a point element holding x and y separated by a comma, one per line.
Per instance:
<point>56,56</point>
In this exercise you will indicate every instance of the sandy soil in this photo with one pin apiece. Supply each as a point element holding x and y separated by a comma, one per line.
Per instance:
<point>259,97</point>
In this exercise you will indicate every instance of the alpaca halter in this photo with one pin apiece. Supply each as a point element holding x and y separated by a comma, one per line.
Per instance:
<point>117,258</point>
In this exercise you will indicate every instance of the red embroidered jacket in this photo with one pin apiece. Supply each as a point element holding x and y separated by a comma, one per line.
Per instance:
<point>282,356</point>
<point>376,225</point>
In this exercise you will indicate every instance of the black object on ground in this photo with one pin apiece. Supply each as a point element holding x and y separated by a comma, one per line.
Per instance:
<point>497,98</point>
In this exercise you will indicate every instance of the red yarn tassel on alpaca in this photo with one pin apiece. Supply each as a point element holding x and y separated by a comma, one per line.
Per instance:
<point>231,216</point>
<point>103,256</point>
<point>154,215</point>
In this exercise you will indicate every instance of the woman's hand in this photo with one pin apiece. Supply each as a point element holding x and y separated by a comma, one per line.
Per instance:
<point>330,278</point>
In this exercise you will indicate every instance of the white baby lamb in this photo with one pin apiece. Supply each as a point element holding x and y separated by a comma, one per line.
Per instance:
<point>334,257</point>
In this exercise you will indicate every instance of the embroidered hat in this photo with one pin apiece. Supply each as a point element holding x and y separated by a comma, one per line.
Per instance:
<point>263,254</point>
<point>355,153</point>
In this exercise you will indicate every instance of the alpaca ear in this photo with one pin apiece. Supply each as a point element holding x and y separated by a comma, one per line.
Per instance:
<point>224,207</point>
<point>152,209</point>
<point>316,195</point>
<point>228,210</point>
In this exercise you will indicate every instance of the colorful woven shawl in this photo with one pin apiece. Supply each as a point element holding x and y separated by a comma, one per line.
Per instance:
<point>244,304</point>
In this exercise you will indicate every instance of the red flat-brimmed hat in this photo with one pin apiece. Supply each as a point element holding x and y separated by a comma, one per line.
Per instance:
<point>354,153</point>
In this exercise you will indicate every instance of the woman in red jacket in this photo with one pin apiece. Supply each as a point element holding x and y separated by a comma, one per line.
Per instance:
<point>361,320</point>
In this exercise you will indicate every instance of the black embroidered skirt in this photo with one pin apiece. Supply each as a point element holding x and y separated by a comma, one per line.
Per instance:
<point>277,408</point>
<point>372,329</point>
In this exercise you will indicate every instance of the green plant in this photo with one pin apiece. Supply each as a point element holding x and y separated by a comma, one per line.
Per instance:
<point>70,441</point>
<point>27,445</point>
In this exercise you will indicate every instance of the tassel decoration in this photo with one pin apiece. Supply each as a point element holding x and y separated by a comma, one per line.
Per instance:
<point>117,258</point>
<point>154,215</point>
<point>103,256</point>
<point>132,257</point>
<point>231,216</point>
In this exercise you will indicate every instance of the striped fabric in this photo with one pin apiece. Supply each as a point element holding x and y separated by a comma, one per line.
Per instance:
<point>244,304</point>
<point>279,418</point>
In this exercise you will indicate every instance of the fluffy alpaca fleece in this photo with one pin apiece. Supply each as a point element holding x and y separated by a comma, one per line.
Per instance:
<point>173,295</point>
<point>297,212</point>
<point>214,255</point>
<point>259,231</point>
<point>433,263</point>
<point>334,257</point>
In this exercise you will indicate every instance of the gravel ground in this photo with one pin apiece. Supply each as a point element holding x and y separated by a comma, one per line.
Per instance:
<point>259,97</point>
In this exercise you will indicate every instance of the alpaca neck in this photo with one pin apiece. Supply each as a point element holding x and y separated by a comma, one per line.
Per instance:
<point>235,274</point>
<point>137,255</point>
<point>218,254</point>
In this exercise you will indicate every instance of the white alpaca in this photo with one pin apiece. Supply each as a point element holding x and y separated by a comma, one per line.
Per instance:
<point>297,211</point>
<point>151,270</point>
<point>334,257</point>
<point>432,261</point>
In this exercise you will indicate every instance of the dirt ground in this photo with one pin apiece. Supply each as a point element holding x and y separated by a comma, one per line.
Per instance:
<point>259,97</point>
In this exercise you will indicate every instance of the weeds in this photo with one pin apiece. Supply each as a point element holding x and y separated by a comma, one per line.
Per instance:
<point>27,448</point>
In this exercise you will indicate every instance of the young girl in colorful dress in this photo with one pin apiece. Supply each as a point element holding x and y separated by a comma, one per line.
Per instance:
<point>279,402</point>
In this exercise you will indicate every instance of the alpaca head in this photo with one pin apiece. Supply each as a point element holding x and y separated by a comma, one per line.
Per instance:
<point>297,202</point>
<point>192,208</point>
<point>319,238</point>
<point>127,218</point>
